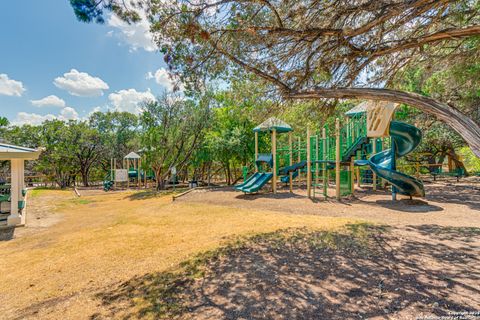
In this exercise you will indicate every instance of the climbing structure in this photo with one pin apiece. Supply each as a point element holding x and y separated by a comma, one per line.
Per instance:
<point>353,151</point>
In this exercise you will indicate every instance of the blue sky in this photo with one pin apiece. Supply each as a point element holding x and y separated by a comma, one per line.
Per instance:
<point>53,66</point>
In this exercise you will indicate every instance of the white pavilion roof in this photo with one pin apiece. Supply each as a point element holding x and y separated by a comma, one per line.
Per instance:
<point>8,152</point>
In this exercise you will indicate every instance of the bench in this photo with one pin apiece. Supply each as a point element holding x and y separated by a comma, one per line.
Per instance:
<point>458,173</point>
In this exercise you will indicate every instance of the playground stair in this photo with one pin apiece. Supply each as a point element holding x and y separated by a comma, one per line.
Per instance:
<point>356,146</point>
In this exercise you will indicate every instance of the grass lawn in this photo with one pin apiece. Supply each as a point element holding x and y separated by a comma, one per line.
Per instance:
<point>105,239</point>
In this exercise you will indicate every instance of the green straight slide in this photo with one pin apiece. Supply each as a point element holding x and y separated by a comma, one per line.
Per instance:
<point>405,138</point>
<point>254,182</point>
<point>249,179</point>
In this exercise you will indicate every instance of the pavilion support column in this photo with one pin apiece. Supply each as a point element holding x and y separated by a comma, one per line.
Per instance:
<point>17,179</point>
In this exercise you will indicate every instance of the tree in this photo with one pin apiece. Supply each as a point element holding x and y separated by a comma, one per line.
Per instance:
<point>118,135</point>
<point>314,49</point>
<point>86,146</point>
<point>172,128</point>
<point>454,80</point>
<point>58,158</point>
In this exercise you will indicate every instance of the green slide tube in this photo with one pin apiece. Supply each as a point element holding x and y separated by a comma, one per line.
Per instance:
<point>405,139</point>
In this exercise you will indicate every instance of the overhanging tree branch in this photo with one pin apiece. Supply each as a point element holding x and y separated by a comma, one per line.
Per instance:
<point>462,124</point>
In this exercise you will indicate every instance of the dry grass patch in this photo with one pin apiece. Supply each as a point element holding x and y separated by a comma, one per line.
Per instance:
<point>109,238</point>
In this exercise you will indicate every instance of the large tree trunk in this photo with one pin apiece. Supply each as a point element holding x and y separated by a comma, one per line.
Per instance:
<point>85,172</point>
<point>462,124</point>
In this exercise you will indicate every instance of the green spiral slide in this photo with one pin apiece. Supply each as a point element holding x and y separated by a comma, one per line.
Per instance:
<point>405,138</point>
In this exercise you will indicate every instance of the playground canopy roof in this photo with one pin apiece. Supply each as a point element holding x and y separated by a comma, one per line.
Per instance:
<point>132,155</point>
<point>8,152</point>
<point>359,108</point>
<point>273,123</point>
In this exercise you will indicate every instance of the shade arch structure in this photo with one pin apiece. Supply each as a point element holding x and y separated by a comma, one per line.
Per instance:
<point>17,156</point>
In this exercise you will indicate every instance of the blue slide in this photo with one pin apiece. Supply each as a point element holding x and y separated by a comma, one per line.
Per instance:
<point>294,168</point>
<point>405,138</point>
<point>286,179</point>
<point>254,182</point>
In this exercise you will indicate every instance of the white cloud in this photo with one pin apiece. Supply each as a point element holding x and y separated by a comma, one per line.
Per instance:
<point>10,87</point>
<point>81,84</point>
<point>136,35</point>
<point>31,118</point>
<point>52,101</point>
<point>161,77</point>
<point>68,113</point>
<point>34,119</point>
<point>130,100</point>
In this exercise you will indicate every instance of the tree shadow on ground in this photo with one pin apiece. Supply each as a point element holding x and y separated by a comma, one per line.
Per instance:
<point>463,234</point>
<point>407,205</point>
<point>269,195</point>
<point>7,233</point>
<point>366,271</point>
<point>457,193</point>
<point>149,194</point>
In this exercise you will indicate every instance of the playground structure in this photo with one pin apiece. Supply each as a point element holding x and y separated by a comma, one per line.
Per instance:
<point>130,175</point>
<point>365,149</point>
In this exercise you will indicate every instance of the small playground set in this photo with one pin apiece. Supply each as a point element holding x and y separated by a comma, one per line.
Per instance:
<point>364,150</point>
<point>131,175</point>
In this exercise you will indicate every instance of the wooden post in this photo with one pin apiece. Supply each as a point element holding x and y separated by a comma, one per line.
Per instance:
<point>256,151</point>
<point>298,160</point>
<point>317,157</point>
<point>139,176</point>
<point>383,182</point>
<point>349,131</point>
<point>309,166</point>
<point>290,143</point>
<point>417,169</point>
<point>114,168</point>
<point>374,175</point>
<point>128,176</point>
<point>324,165</point>
<point>352,174</point>
<point>274,153</point>
<point>337,158</point>
<point>145,178</point>
<point>359,180</point>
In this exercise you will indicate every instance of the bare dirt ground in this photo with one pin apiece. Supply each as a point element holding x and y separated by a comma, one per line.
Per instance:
<point>77,248</point>
<point>128,255</point>
<point>407,273</point>
<point>447,203</point>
